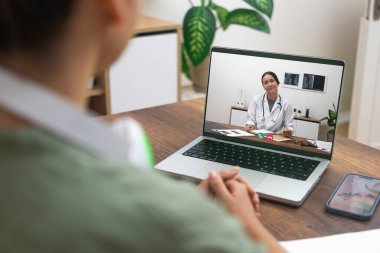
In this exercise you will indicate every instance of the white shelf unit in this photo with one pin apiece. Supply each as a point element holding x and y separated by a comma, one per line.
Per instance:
<point>306,129</point>
<point>238,116</point>
<point>146,74</point>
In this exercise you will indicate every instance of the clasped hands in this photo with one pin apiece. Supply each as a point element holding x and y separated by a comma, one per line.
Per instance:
<point>234,192</point>
<point>238,197</point>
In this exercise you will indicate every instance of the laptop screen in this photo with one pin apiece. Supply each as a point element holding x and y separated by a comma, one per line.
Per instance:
<point>275,101</point>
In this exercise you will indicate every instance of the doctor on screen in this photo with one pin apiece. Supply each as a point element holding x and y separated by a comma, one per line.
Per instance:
<point>270,111</point>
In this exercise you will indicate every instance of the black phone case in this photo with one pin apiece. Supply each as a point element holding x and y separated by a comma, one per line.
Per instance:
<point>349,214</point>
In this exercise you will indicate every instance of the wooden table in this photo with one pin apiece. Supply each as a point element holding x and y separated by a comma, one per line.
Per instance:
<point>172,126</point>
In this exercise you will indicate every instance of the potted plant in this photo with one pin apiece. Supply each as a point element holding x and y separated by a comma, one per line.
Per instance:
<point>331,122</point>
<point>200,24</point>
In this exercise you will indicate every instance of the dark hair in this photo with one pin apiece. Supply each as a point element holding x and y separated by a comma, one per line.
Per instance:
<point>31,24</point>
<point>272,74</point>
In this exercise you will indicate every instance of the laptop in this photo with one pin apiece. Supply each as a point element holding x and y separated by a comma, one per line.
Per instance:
<point>279,168</point>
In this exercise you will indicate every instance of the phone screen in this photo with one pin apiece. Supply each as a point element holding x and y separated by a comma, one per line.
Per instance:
<point>356,194</point>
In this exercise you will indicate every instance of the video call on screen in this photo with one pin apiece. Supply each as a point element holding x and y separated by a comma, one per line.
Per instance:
<point>309,88</point>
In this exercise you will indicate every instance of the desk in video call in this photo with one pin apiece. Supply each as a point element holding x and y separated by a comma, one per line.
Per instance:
<point>290,143</point>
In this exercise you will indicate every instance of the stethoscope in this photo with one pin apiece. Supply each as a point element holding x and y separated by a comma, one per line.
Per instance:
<point>280,106</point>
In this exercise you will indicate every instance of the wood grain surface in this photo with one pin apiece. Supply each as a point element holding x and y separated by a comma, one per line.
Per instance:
<point>172,126</point>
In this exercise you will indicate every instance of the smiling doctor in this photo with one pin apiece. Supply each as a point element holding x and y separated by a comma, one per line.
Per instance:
<point>270,111</point>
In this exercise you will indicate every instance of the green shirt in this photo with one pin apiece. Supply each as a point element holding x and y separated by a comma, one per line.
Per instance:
<point>57,198</point>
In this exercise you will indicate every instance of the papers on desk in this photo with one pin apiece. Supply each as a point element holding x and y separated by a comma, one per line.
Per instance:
<point>323,145</point>
<point>366,241</point>
<point>279,137</point>
<point>262,131</point>
<point>232,132</point>
<point>241,133</point>
<point>276,135</point>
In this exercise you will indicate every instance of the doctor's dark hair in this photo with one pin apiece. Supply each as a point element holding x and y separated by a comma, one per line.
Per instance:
<point>31,24</point>
<point>272,74</point>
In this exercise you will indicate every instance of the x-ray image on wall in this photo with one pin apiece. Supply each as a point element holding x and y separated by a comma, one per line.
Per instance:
<point>291,79</point>
<point>314,82</point>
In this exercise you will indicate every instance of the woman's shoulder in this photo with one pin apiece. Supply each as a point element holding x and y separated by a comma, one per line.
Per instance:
<point>258,97</point>
<point>285,101</point>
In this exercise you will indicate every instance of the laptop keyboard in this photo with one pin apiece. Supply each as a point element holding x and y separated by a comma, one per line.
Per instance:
<point>254,159</point>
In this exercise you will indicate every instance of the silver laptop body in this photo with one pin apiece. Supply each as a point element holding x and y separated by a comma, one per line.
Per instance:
<point>234,80</point>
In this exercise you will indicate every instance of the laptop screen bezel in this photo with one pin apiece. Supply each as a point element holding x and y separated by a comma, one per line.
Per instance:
<point>274,56</point>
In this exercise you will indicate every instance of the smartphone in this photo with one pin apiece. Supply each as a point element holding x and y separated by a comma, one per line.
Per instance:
<point>356,196</point>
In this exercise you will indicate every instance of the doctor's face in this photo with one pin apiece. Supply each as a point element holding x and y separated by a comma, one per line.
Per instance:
<point>270,84</point>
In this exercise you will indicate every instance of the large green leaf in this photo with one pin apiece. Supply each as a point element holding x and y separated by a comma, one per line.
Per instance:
<point>250,18</point>
<point>185,63</point>
<point>331,123</point>
<point>222,14</point>
<point>265,6</point>
<point>332,114</point>
<point>199,27</point>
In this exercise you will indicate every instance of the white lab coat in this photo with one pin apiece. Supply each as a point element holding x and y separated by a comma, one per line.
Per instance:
<point>280,117</point>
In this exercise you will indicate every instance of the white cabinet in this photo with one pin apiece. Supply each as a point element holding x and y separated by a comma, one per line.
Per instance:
<point>238,117</point>
<point>303,127</point>
<point>148,71</point>
<point>146,74</point>
<point>306,129</point>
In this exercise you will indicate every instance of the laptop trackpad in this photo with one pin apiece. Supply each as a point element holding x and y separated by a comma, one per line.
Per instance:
<point>202,173</point>
<point>253,177</point>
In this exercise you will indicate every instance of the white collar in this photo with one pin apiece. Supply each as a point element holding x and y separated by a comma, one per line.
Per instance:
<point>265,96</point>
<point>53,113</point>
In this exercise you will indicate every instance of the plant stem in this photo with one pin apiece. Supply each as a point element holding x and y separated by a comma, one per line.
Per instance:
<point>190,2</point>
<point>203,3</point>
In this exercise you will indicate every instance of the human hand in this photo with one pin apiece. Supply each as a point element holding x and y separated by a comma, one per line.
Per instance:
<point>248,128</point>
<point>234,196</point>
<point>225,175</point>
<point>286,132</point>
<point>254,196</point>
<point>232,174</point>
